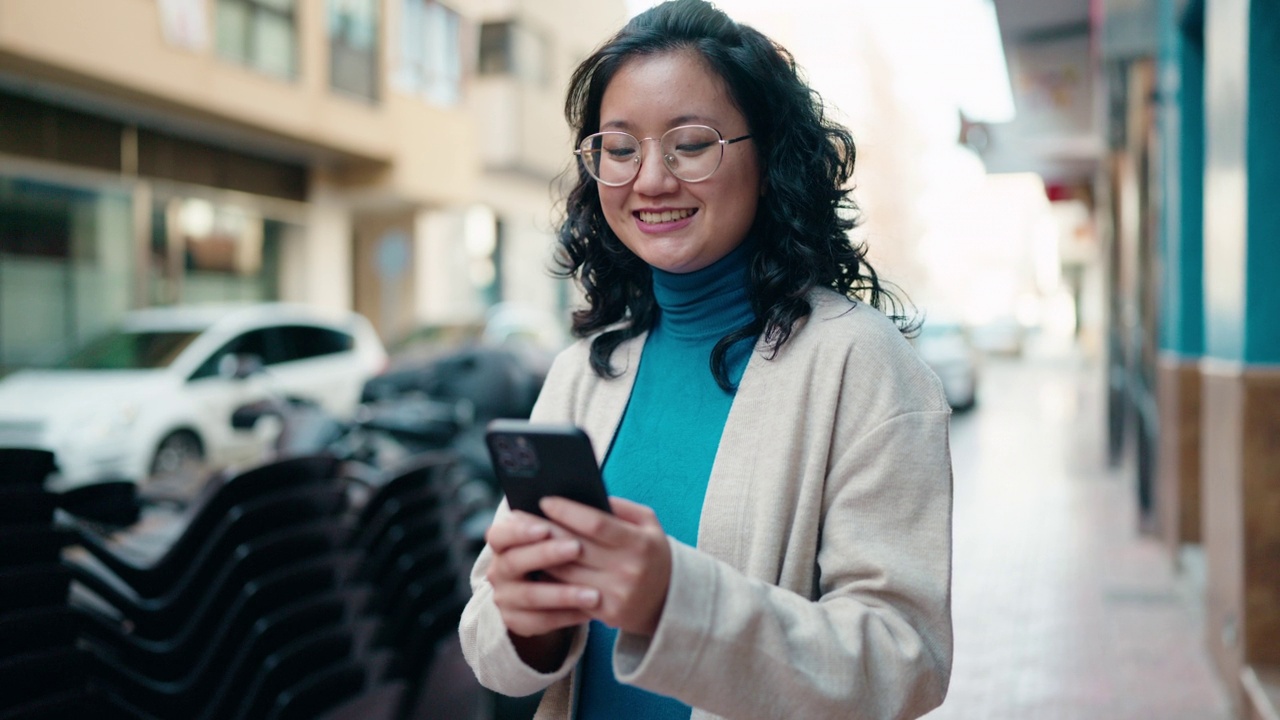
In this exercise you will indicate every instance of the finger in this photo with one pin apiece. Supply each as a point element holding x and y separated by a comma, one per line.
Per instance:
<point>517,562</point>
<point>585,521</point>
<point>577,574</point>
<point>632,601</point>
<point>518,528</point>
<point>531,623</point>
<point>542,596</point>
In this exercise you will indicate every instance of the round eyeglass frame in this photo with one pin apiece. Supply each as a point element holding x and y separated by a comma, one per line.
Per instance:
<point>667,159</point>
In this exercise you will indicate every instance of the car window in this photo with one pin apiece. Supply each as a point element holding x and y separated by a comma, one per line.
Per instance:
<point>255,342</point>
<point>123,350</point>
<point>299,342</point>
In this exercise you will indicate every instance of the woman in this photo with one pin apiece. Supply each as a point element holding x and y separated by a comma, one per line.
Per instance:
<point>780,542</point>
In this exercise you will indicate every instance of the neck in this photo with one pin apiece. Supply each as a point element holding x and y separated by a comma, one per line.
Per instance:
<point>708,303</point>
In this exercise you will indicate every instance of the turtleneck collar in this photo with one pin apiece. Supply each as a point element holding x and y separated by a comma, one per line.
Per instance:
<point>708,303</point>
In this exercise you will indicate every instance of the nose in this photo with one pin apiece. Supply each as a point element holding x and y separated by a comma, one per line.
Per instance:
<point>654,178</point>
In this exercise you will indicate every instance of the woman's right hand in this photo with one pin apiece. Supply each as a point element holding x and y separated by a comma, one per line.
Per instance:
<point>537,613</point>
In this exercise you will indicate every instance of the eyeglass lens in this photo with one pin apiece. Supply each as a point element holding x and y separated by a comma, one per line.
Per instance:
<point>691,153</point>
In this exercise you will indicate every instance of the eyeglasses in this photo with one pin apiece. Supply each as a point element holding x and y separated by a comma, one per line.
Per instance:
<point>691,152</point>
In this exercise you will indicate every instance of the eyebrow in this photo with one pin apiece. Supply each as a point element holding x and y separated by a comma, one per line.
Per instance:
<point>673,122</point>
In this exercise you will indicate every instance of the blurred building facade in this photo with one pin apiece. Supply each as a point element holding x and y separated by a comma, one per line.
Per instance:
<point>391,156</point>
<point>1193,154</point>
<point>1162,115</point>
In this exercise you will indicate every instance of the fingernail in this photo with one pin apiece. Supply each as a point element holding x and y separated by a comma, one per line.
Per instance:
<point>538,530</point>
<point>568,547</point>
<point>588,597</point>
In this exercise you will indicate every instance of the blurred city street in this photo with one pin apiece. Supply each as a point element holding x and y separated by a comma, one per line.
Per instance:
<point>1062,609</point>
<point>236,233</point>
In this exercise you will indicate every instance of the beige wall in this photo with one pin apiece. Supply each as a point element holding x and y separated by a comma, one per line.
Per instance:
<point>327,260</point>
<point>445,291</point>
<point>526,143</point>
<point>115,48</point>
<point>110,44</point>
<point>401,155</point>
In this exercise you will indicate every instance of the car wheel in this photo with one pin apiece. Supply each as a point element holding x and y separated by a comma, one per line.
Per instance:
<point>180,456</point>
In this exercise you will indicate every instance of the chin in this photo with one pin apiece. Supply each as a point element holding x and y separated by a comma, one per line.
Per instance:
<point>657,258</point>
<point>680,267</point>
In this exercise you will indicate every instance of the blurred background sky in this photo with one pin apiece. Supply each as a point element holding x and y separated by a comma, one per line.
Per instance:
<point>969,243</point>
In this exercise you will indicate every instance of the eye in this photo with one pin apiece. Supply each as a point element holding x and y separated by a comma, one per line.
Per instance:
<point>620,154</point>
<point>693,148</point>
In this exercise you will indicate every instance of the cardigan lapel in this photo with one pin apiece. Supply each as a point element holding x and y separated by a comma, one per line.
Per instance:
<point>606,403</point>
<point>723,528</point>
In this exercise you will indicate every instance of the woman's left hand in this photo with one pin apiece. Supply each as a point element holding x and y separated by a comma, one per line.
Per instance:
<point>625,556</point>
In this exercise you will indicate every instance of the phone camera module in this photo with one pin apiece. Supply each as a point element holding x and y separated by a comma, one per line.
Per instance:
<point>516,456</point>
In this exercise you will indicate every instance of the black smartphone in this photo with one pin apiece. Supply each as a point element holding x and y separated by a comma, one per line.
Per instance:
<point>535,460</point>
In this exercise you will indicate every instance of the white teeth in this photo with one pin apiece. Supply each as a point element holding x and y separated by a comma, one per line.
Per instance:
<point>667,216</point>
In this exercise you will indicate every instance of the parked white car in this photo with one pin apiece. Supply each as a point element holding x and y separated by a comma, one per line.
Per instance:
<point>946,348</point>
<point>154,397</point>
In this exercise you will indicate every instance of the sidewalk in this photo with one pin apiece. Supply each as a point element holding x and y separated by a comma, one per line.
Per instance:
<point>1062,611</point>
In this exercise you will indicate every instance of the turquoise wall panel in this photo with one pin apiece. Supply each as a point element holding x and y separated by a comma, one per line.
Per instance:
<point>1262,297</point>
<point>1182,211</point>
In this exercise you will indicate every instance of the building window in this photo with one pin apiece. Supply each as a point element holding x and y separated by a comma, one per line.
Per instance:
<point>510,48</point>
<point>430,52</point>
<point>261,34</point>
<point>482,237</point>
<point>66,267</point>
<point>206,252</point>
<point>353,47</point>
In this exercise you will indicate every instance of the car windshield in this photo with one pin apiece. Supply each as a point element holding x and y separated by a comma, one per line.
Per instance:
<point>130,350</point>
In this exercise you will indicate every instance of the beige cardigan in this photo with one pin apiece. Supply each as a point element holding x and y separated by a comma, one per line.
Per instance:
<point>820,586</point>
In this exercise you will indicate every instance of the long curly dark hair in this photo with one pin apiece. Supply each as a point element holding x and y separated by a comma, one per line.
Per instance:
<point>802,222</point>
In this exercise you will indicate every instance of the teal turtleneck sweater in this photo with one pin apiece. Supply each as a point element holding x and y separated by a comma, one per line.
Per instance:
<point>666,444</point>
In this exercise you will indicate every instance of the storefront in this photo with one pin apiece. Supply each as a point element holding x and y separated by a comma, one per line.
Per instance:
<point>66,269</point>
<point>204,250</point>
<point>97,217</point>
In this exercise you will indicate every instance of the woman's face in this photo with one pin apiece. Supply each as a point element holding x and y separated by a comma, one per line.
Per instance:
<point>674,225</point>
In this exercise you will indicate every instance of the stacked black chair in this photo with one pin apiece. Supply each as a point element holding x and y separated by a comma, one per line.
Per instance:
<point>254,611</point>
<point>416,561</point>
<point>42,672</point>
<point>276,599</point>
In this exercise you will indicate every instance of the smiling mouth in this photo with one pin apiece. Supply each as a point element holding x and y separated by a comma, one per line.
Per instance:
<point>666,216</point>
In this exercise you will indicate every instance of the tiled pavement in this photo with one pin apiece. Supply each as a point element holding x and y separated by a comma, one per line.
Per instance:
<point>1062,610</point>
